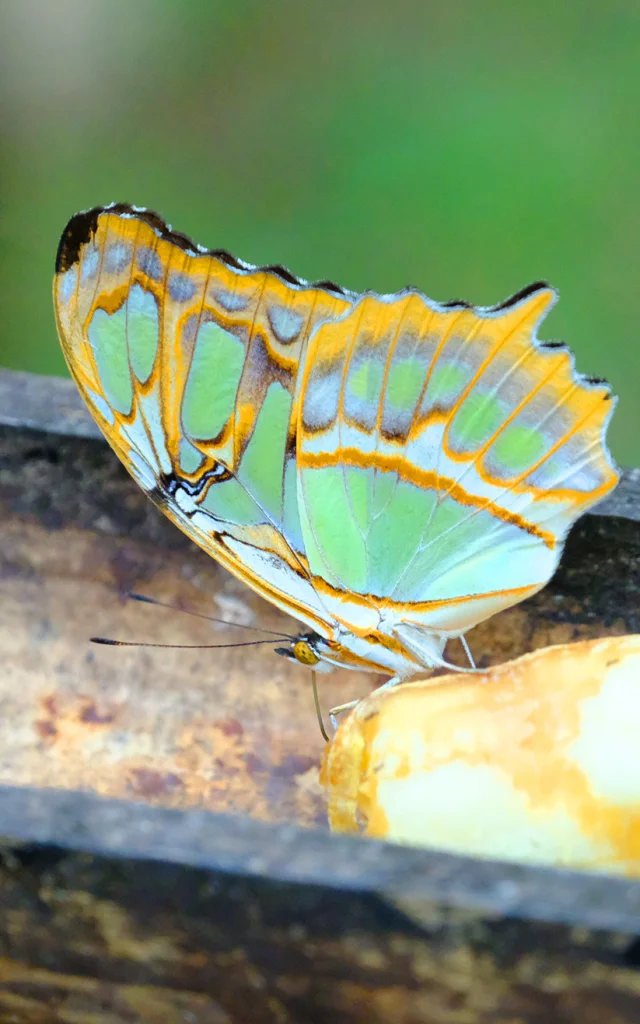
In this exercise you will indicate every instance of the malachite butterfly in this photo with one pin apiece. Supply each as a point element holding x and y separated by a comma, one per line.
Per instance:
<point>387,469</point>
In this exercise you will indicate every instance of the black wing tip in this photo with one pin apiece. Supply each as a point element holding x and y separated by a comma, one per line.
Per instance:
<point>82,227</point>
<point>80,230</point>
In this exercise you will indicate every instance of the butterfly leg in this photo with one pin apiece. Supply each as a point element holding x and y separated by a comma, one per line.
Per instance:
<point>340,708</point>
<point>467,651</point>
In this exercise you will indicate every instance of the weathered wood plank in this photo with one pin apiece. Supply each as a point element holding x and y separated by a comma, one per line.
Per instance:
<point>163,906</point>
<point>104,937</point>
<point>228,729</point>
<point>44,403</point>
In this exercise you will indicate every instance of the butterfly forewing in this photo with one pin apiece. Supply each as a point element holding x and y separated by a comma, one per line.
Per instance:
<point>188,361</point>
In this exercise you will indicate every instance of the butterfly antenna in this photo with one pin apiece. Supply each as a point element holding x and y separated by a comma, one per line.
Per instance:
<point>182,647</point>
<point>316,701</point>
<point>199,615</point>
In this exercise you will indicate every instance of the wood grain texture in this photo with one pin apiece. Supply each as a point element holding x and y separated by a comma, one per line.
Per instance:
<point>223,729</point>
<point>165,920</point>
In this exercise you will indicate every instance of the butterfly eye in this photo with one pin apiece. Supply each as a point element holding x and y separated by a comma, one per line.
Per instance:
<point>285,652</point>
<point>302,652</point>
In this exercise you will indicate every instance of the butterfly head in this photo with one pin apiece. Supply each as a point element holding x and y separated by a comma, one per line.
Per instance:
<point>308,649</point>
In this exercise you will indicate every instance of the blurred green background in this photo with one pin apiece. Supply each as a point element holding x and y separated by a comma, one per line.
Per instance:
<point>466,148</point>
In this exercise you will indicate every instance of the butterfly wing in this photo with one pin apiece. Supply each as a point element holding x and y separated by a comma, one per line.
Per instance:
<point>188,362</point>
<point>443,454</point>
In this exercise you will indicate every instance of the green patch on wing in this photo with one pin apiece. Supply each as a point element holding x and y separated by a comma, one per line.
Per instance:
<point>362,528</point>
<point>229,501</point>
<point>290,516</point>
<point>333,541</point>
<point>365,381</point>
<point>446,383</point>
<point>262,465</point>
<point>475,422</point>
<point>517,448</point>
<point>396,534</point>
<point>359,484</point>
<point>108,339</point>
<point>404,383</point>
<point>454,535</point>
<point>189,457</point>
<point>142,331</point>
<point>212,384</point>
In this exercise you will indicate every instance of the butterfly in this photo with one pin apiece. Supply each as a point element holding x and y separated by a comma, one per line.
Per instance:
<point>387,469</point>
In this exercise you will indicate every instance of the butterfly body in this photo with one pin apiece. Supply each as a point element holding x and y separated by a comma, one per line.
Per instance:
<point>386,469</point>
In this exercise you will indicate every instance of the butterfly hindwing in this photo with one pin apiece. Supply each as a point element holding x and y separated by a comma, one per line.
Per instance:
<point>443,454</point>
